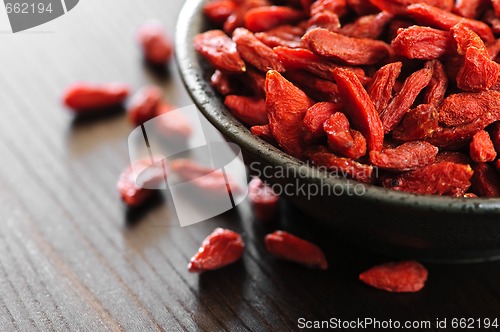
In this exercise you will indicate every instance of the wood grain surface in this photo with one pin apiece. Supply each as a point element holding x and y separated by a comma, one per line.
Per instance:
<point>72,258</point>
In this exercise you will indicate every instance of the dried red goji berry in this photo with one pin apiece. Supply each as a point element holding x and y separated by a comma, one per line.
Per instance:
<point>469,8</point>
<point>494,50</point>
<point>359,108</point>
<point>400,6</point>
<point>436,90</point>
<point>423,43</point>
<point>352,51</point>
<point>251,111</point>
<point>315,87</point>
<point>292,248</point>
<point>481,148</point>
<point>492,20</point>
<point>486,181</point>
<point>133,190</point>
<point>85,97</point>
<point>285,35</point>
<point>220,51</point>
<point>342,139</point>
<point>401,103</point>
<point>370,26</point>
<point>344,167</point>
<point>417,124</point>
<point>264,132</point>
<point>219,249</point>
<point>175,125</point>
<point>326,20</point>
<point>255,52</point>
<point>256,81</point>
<point>406,276</point>
<point>443,178</point>
<point>314,119</point>
<point>209,180</point>
<point>268,17</point>
<point>406,157</point>
<point>237,17</point>
<point>435,17</point>
<point>470,195</point>
<point>299,58</point>
<point>265,202</point>
<point>286,108</point>
<point>144,104</point>
<point>337,7</point>
<point>463,108</point>
<point>218,11</point>
<point>380,88</point>
<point>156,47</point>
<point>478,72</point>
<point>496,6</point>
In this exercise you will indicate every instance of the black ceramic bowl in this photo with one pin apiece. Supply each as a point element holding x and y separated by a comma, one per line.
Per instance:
<point>429,228</point>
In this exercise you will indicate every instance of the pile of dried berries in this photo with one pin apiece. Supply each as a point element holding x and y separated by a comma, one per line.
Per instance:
<point>410,87</point>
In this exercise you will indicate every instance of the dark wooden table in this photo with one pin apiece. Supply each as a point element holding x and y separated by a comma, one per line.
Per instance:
<point>73,258</point>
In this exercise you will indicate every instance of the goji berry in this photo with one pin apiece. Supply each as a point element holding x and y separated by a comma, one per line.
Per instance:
<point>209,180</point>
<point>478,72</point>
<point>422,43</point>
<point>492,20</point>
<point>435,17</point>
<point>337,7</point>
<point>237,17</point>
<point>400,6</point>
<point>401,103</point>
<point>352,51</point>
<point>359,108</point>
<point>463,108</point>
<point>292,248</point>
<point>370,26</point>
<point>156,47</point>
<point>436,90</point>
<point>251,111</point>
<point>286,107</point>
<point>443,178</point>
<point>315,87</point>
<point>342,139</point>
<point>264,132</point>
<point>314,119</point>
<point>135,178</point>
<point>218,11</point>
<point>406,276</point>
<point>481,148</point>
<point>326,20</point>
<point>303,59</point>
<point>220,51</point>
<point>268,17</point>
<point>219,249</point>
<point>486,181</point>
<point>265,201</point>
<point>343,167</point>
<point>86,97</point>
<point>469,8</point>
<point>256,53</point>
<point>382,84</point>
<point>419,123</point>
<point>496,7</point>
<point>143,105</point>
<point>470,195</point>
<point>406,157</point>
<point>285,35</point>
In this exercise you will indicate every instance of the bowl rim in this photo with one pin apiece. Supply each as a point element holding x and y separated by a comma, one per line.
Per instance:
<point>190,21</point>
